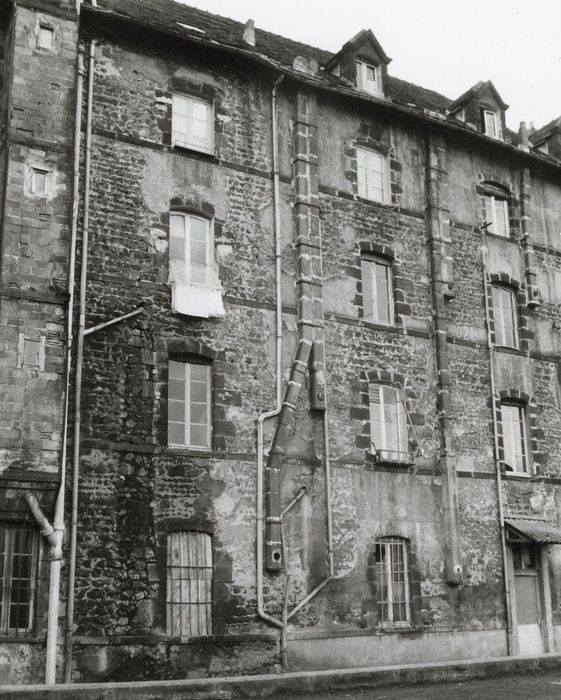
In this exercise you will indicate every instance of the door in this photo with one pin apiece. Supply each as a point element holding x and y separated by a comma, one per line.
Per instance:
<point>528,600</point>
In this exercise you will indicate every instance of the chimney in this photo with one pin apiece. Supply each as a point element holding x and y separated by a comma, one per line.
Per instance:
<point>524,140</point>
<point>249,32</point>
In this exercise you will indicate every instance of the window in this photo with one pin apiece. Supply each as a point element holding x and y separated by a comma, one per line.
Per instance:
<point>392,577</point>
<point>368,78</point>
<point>189,248</point>
<point>513,422</point>
<point>372,175</point>
<point>496,214</point>
<point>377,290</point>
<point>388,424</point>
<point>189,584</point>
<point>192,123</point>
<point>505,315</point>
<point>31,352</point>
<point>45,38</point>
<point>18,568</point>
<point>491,124</point>
<point>189,423</point>
<point>39,179</point>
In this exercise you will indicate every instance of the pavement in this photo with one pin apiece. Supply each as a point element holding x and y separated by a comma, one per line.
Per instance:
<point>535,677</point>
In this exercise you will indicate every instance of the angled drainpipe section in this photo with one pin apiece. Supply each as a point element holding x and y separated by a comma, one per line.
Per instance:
<point>441,276</point>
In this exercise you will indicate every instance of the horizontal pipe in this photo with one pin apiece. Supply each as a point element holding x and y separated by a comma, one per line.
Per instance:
<point>113,321</point>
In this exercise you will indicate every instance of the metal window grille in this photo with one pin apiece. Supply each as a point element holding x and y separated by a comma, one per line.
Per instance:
<point>18,568</point>
<point>514,437</point>
<point>505,316</point>
<point>189,584</point>
<point>189,405</point>
<point>192,123</point>
<point>377,290</point>
<point>392,576</point>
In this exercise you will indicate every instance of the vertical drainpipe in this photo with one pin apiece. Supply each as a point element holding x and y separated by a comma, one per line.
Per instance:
<point>441,276</point>
<point>495,410</point>
<point>308,281</point>
<point>530,275</point>
<point>78,375</point>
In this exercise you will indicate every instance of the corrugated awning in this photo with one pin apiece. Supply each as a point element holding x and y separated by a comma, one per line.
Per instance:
<point>535,530</point>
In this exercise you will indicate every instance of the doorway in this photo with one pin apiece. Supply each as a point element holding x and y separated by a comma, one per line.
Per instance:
<point>527,591</point>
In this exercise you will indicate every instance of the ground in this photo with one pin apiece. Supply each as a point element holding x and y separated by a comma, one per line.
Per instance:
<point>545,686</point>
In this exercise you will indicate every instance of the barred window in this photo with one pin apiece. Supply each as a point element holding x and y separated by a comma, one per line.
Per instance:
<point>392,577</point>
<point>18,569</point>
<point>189,584</point>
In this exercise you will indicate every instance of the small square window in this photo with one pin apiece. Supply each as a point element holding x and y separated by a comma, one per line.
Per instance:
<point>372,175</point>
<point>31,352</point>
<point>45,38</point>
<point>39,179</point>
<point>192,123</point>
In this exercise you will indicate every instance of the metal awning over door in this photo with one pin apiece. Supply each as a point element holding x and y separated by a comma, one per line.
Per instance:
<point>533,530</point>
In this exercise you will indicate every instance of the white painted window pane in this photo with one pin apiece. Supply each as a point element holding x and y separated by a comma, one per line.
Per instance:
<point>367,274</point>
<point>501,211</point>
<point>199,373</point>
<point>176,433</point>
<point>490,124</point>
<point>512,419</point>
<point>179,105</point>
<point>176,370</point>
<point>198,436</point>
<point>198,252</point>
<point>45,38</point>
<point>199,229</point>
<point>31,352</point>
<point>39,183</point>
<point>490,214</point>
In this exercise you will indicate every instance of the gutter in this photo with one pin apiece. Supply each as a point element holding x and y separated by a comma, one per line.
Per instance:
<point>318,84</point>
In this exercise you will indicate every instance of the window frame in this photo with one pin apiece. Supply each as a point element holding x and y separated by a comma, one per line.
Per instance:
<point>500,329</point>
<point>190,268</point>
<point>372,87</point>
<point>196,544</point>
<point>37,172</point>
<point>364,187</point>
<point>522,438</point>
<point>188,403</point>
<point>491,207</point>
<point>496,123</point>
<point>8,533</point>
<point>45,30</point>
<point>369,266</point>
<point>191,144</point>
<point>384,452</point>
<point>386,581</point>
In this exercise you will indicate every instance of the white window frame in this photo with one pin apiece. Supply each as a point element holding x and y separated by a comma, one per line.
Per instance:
<point>10,568</point>
<point>189,584</point>
<point>505,316</point>
<point>369,165</point>
<point>35,188</point>
<point>177,371</point>
<point>379,409</point>
<point>186,271</point>
<point>376,273</point>
<point>491,124</point>
<point>494,205</point>
<point>22,342</point>
<point>45,31</point>
<point>185,137</point>
<point>364,82</point>
<point>515,437</point>
<point>387,570</point>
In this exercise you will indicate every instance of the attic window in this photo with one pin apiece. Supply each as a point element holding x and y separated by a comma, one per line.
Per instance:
<point>491,123</point>
<point>191,28</point>
<point>368,78</point>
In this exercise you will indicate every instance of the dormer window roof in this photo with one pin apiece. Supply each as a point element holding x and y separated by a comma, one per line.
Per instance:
<point>483,108</point>
<point>362,61</point>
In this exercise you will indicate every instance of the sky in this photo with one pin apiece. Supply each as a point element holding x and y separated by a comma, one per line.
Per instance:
<point>444,45</point>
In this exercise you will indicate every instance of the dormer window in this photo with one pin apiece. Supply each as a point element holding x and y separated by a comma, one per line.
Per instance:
<point>491,124</point>
<point>368,78</point>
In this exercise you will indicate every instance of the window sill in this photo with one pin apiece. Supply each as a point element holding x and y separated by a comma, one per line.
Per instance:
<point>517,475</point>
<point>188,451</point>
<point>400,464</point>
<point>508,350</point>
<point>377,202</point>
<point>208,155</point>
<point>377,325</point>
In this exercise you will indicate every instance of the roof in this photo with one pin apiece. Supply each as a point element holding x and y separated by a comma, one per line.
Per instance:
<point>168,16</point>
<point>553,126</point>
<point>535,530</point>
<point>190,22</point>
<point>474,92</point>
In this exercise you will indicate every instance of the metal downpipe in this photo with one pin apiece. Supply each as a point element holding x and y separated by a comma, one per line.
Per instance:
<point>78,376</point>
<point>509,644</point>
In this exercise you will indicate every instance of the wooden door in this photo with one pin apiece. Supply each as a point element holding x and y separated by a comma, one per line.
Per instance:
<point>528,599</point>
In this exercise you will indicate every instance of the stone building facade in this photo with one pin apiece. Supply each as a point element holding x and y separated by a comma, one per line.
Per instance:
<point>324,426</point>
